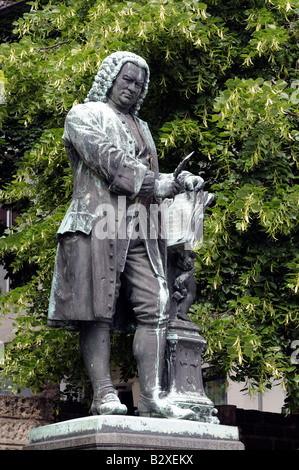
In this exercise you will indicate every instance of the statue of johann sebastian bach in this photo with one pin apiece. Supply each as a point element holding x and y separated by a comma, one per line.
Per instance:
<point>112,154</point>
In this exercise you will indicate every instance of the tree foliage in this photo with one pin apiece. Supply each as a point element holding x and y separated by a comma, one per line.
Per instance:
<point>224,83</point>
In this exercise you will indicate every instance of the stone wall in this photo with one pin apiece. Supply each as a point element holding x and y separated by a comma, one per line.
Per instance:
<point>260,430</point>
<point>20,414</point>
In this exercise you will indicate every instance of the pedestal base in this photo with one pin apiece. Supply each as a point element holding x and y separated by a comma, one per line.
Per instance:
<point>133,433</point>
<point>183,376</point>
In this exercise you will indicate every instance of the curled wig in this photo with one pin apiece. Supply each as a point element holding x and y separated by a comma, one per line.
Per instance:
<point>108,72</point>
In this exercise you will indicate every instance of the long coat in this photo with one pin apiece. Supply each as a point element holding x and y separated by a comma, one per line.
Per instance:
<point>108,175</point>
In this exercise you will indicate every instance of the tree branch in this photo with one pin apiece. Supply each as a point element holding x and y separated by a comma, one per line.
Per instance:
<point>44,49</point>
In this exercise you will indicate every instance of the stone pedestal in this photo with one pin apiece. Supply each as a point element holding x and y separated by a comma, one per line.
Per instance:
<point>183,374</point>
<point>133,433</point>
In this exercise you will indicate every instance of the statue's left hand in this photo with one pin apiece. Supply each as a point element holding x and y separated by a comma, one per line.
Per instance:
<point>190,182</point>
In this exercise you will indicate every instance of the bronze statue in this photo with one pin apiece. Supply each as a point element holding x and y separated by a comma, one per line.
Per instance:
<point>181,282</point>
<point>102,252</point>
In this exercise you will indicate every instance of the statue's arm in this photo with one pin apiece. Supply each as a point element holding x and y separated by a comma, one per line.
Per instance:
<point>84,133</point>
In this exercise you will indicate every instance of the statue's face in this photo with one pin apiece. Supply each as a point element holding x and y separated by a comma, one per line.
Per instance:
<point>127,86</point>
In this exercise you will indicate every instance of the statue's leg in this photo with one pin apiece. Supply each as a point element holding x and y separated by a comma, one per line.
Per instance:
<point>149,351</point>
<point>149,295</point>
<point>95,349</point>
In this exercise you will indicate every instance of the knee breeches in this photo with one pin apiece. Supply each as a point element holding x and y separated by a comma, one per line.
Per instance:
<point>146,292</point>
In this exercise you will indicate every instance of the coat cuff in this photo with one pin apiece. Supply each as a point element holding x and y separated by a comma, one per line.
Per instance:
<point>128,177</point>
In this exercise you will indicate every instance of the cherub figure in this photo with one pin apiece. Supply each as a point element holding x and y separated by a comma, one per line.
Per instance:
<point>182,285</point>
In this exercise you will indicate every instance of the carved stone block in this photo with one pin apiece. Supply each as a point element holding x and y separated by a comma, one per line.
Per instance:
<point>183,375</point>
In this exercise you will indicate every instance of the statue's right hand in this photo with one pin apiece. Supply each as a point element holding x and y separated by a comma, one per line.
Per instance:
<point>169,186</point>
